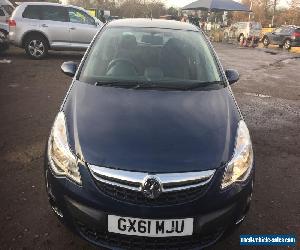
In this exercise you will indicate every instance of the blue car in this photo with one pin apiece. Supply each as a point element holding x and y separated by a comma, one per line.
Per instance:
<point>149,149</point>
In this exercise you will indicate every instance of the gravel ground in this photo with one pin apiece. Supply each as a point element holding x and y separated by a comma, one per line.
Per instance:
<point>32,91</point>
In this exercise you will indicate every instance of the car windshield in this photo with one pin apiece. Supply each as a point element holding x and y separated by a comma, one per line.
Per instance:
<point>151,55</point>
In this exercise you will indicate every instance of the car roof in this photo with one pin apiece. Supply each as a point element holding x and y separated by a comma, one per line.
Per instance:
<point>53,4</point>
<point>289,26</point>
<point>152,23</point>
<point>41,3</point>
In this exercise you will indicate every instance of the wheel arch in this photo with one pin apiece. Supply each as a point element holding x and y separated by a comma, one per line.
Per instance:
<point>34,32</point>
<point>286,39</point>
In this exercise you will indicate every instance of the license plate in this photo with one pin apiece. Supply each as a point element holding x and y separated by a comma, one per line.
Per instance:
<point>150,228</point>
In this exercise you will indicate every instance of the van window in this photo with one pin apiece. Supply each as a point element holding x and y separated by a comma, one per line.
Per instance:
<point>243,25</point>
<point>54,13</point>
<point>255,26</point>
<point>32,12</point>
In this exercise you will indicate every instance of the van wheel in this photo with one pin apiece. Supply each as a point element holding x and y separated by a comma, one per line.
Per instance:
<point>36,47</point>
<point>241,39</point>
<point>266,41</point>
<point>287,44</point>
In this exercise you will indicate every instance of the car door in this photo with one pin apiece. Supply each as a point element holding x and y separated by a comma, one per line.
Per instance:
<point>288,31</point>
<point>284,33</point>
<point>55,24</point>
<point>275,36</point>
<point>83,28</point>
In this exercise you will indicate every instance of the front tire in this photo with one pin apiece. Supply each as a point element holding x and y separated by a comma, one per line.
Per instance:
<point>36,47</point>
<point>241,38</point>
<point>266,41</point>
<point>287,44</point>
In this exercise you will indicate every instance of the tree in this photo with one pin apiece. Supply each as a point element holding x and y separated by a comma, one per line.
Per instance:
<point>293,13</point>
<point>261,11</point>
<point>172,11</point>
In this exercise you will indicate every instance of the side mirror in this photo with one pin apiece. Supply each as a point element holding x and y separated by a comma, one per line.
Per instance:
<point>232,75</point>
<point>69,68</point>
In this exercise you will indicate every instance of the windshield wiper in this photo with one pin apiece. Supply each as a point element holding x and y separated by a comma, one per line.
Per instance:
<point>146,85</point>
<point>137,85</point>
<point>115,83</point>
<point>159,86</point>
<point>209,85</point>
<point>182,86</point>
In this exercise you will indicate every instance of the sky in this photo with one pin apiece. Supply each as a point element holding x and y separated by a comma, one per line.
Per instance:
<point>181,3</point>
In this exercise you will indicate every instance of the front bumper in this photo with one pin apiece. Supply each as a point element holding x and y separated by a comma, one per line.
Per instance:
<point>85,210</point>
<point>295,43</point>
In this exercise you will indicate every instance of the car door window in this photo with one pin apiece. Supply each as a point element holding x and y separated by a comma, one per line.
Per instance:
<point>289,31</point>
<point>32,12</point>
<point>54,13</point>
<point>284,31</point>
<point>77,16</point>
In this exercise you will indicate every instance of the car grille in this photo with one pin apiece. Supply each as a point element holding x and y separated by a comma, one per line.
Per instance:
<point>135,242</point>
<point>176,188</point>
<point>136,197</point>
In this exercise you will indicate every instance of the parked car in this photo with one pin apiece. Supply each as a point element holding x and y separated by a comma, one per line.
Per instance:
<point>6,9</point>
<point>39,27</point>
<point>149,148</point>
<point>284,36</point>
<point>243,30</point>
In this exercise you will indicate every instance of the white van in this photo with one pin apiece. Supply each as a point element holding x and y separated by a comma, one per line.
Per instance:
<point>243,30</point>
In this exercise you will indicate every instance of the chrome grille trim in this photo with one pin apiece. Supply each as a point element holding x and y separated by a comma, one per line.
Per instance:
<point>133,180</point>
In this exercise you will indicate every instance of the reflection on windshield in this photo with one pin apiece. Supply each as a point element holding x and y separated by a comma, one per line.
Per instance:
<point>148,55</point>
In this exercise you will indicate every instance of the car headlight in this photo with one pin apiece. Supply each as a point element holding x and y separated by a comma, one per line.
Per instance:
<point>62,161</point>
<point>239,168</point>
